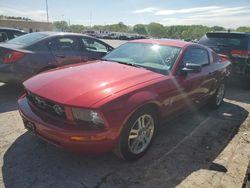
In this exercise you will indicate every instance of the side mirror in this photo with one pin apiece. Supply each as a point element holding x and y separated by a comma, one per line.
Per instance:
<point>191,68</point>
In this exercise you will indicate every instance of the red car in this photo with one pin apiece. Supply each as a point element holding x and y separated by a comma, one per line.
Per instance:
<point>116,103</point>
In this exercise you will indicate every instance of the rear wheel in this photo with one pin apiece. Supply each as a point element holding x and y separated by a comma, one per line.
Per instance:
<point>218,97</point>
<point>137,135</point>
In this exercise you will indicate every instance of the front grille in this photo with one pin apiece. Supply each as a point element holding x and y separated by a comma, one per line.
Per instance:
<point>45,105</point>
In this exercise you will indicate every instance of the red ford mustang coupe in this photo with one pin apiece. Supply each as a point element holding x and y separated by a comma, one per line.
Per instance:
<point>116,103</point>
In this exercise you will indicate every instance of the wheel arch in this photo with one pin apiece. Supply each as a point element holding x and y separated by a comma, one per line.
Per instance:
<point>147,105</point>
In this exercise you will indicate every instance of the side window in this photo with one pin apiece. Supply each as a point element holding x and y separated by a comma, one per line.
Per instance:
<point>10,35</point>
<point>93,45</point>
<point>196,56</point>
<point>52,45</point>
<point>17,34</point>
<point>67,44</point>
<point>3,37</point>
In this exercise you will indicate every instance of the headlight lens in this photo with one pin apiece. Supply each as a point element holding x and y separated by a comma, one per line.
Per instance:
<point>87,115</point>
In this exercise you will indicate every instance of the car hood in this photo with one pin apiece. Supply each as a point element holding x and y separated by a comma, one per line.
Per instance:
<point>86,84</point>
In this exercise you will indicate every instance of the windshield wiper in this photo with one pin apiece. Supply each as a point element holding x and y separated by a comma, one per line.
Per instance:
<point>124,63</point>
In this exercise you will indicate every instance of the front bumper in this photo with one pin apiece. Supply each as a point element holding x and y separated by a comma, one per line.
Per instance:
<point>60,133</point>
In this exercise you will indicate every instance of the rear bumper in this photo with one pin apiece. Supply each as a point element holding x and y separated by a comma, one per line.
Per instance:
<point>60,134</point>
<point>241,67</point>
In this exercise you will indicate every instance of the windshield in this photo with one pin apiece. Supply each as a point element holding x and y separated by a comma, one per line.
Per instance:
<point>157,58</point>
<point>28,38</point>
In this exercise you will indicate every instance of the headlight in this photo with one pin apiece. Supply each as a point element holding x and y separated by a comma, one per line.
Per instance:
<point>87,115</point>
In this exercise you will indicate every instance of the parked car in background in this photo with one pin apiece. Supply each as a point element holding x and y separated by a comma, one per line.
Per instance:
<point>116,103</point>
<point>235,45</point>
<point>25,56</point>
<point>10,33</point>
<point>114,35</point>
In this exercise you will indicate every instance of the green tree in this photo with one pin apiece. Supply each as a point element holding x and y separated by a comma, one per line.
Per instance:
<point>61,25</point>
<point>140,29</point>
<point>218,28</point>
<point>243,29</point>
<point>155,29</point>
<point>76,28</point>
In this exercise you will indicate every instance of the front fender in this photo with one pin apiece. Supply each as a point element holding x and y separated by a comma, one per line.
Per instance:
<point>119,110</point>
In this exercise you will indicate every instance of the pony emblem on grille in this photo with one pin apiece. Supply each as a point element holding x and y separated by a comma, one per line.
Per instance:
<point>41,103</point>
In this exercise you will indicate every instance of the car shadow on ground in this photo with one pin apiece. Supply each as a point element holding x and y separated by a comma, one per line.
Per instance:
<point>239,94</point>
<point>183,145</point>
<point>238,90</point>
<point>8,97</point>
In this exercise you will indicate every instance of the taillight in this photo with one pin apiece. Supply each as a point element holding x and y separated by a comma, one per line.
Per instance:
<point>241,54</point>
<point>12,56</point>
<point>224,57</point>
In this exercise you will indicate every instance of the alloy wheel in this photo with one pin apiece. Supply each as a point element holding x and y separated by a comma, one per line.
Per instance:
<point>141,134</point>
<point>220,94</point>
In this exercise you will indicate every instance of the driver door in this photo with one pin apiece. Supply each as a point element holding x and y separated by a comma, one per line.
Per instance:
<point>195,85</point>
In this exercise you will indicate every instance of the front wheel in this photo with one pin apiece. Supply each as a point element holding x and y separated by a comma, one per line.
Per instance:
<point>137,135</point>
<point>218,97</point>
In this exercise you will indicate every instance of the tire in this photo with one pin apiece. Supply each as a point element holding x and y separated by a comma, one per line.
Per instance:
<point>135,140</point>
<point>218,97</point>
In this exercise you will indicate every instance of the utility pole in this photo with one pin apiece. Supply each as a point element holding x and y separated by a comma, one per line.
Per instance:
<point>47,11</point>
<point>90,19</point>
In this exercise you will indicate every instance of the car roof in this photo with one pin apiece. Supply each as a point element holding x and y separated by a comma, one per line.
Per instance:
<point>55,33</point>
<point>226,32</point>
<point>167,42</point>
<point>11,29</point>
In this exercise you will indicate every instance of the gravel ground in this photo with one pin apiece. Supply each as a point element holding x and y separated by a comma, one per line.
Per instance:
<point>202,148</point>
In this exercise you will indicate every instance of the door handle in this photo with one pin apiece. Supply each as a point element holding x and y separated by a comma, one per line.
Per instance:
<point>61,56</point>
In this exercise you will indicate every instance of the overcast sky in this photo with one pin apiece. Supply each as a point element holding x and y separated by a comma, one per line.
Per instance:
<point>229,14</point>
